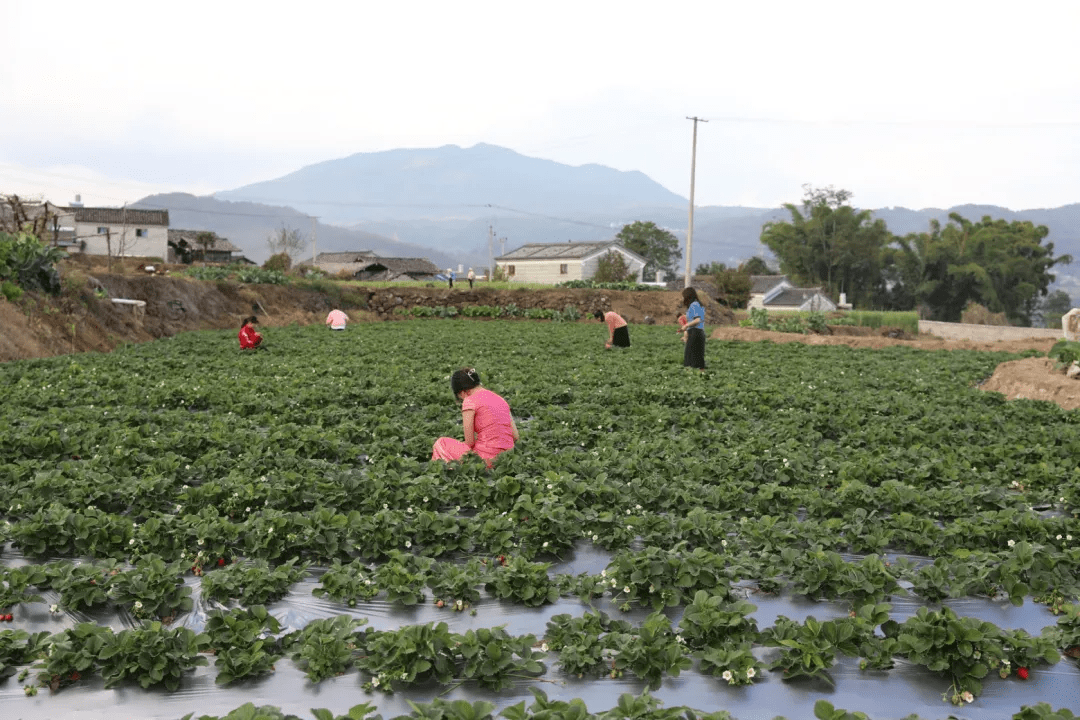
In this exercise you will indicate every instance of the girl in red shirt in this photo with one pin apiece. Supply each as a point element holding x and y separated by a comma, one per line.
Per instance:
<point>618,335</point>
<point>249,336</point>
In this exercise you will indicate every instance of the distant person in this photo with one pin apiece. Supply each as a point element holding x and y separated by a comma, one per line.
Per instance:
<point>694,331</point>
<point>450,277</point>
<point>249,336</point>
<point>337,319</point>
<point>618,334</point>
<point>485,419</point>
<point>471,277</point>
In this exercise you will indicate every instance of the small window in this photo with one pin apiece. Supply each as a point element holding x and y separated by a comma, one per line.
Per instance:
<point>563,270</point>
<point>142,232</point>
<point>510,270</point>
<point>103,231</point>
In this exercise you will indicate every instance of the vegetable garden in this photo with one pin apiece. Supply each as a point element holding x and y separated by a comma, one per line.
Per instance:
<point>798,531</point>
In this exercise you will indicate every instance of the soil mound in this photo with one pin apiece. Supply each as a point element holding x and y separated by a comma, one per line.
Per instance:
<point>1034,379</point>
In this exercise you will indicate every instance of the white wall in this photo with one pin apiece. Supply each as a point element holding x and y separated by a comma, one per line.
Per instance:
<point>155,244</point>
<point>543,271</point>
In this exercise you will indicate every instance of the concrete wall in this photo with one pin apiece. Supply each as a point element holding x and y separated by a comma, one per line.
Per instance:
<point>984,333</point>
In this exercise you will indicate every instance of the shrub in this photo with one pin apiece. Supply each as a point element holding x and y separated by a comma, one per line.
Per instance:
<point>612,267</point>
<point>281,262</point>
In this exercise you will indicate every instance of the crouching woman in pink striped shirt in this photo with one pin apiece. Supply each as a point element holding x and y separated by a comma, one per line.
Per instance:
<point>485,417</point>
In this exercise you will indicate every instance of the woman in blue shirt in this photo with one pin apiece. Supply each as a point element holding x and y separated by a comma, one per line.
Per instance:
<point>694,350</point>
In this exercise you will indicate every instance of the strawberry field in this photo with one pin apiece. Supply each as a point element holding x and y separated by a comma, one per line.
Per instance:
<point>798,532</point>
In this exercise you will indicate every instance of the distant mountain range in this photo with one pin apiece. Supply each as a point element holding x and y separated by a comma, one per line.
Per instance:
<point>441,202</point>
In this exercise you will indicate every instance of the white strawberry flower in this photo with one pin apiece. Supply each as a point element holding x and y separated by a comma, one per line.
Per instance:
<point>750,672</point>
<point>967,697</point>
<point>138,605</point>
<point>54,609</point>
<point>408,543</point>
<point>1012,543</point>
<point>726,675</point>
<point>626,589</point>
<point>131,541</point>
<point>544,647</point>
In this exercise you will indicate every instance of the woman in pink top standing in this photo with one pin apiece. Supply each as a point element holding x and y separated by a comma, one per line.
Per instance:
<point>485,418</point>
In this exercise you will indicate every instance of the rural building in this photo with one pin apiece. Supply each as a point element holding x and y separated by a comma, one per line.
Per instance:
<point>383,269</point>
<point>333,263</point>
<point>185,247</point>
<point>122,232</point>
<point>775,292</point>
<point>560,262</point>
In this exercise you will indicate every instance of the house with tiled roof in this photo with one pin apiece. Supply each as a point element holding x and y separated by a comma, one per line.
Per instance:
<point>122,232</point>
<point>560,262</point>
<point>185,246</point>
<point>350,262</point>
<point>385,268</point>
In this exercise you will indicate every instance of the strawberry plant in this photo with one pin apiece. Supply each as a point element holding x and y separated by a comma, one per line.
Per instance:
<point>410,654</point>
<point>72,654</point>
<point>18,647</point>
<point>153,589</point>
<point>82,587</point>
<point>494,659</point>
<point>583,643</point>
<point>732,661</point>
<point>17,585</point>
<point>325,647</point>
<point>651,652</point>
<point>809,649</point>
<point>252,582</point>
<point>962,648</point>
<point>404,577</point>
<point>347,583</point>
<point>450,581</point>
<point>523,581</point>
<point>709,621</point>
<point>151,655</point>
<point>243,642</point>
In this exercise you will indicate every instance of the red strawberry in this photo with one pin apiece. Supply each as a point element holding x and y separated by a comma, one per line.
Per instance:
<point>1023,673</point>
<point>220,562</point>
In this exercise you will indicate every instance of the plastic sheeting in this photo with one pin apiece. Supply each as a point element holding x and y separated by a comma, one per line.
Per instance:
<point>904,689</point>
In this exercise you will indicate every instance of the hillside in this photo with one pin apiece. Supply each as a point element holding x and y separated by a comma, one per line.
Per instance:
<point>452,183</point>
<point>247,225</point>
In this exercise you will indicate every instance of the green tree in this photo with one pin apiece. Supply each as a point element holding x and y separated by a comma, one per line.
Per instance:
<point>612,267</point>
<point>830,243</point>
<point>205,240</point>
<point>710,268</point>
<point>1052,307</point>
<point>659,247</point>
<point>733,287</point>
<point>756,266</point>
<point>998,264</point>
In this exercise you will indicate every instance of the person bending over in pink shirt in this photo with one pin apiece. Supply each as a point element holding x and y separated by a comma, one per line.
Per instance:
<point>337,320</point>
<point>485,418</point>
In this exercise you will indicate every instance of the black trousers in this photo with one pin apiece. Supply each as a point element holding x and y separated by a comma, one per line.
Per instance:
<point>621,337</point>
<point>694,352</point>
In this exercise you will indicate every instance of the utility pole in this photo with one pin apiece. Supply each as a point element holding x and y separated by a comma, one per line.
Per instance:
<point>491,253</point>
<point>690,225</point>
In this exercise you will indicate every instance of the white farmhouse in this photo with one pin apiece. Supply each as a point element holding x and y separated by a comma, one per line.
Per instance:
<point>775,292</point>
<point>560,262</point>
<point>122,232</point>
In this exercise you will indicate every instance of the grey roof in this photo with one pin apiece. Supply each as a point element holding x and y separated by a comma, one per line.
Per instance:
<point>560,251</point>
<point>412,266</point>
<point>191,237</point>
<point>761,284</point>
<point>344,257</point>
<point>793,297</point>
<point>120,216</point>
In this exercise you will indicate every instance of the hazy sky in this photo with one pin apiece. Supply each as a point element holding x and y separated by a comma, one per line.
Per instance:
<point>904,103</point>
